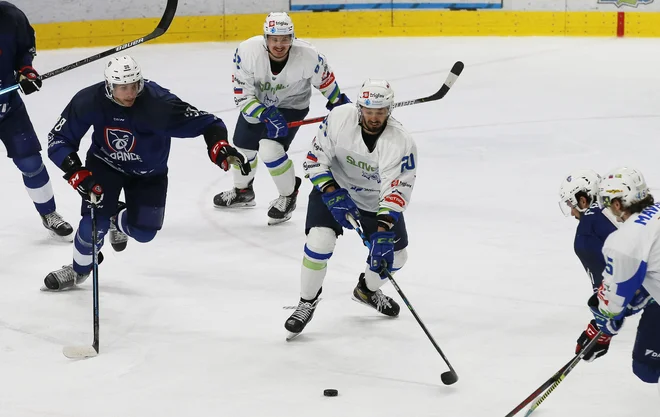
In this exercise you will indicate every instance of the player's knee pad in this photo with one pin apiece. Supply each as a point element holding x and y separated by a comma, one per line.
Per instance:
<point>319,247</point>
<point>31,165</point>
<point>270,150</point>
<point>142,235</point>
<point>400,258</point>
<point>646,372</point>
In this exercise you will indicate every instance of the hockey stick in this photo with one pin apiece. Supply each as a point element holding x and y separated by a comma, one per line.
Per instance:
<point>163,25</point>
<point>82,352</point>
<point>448,377</point>
<point>548,386</point>
<point>456,70</point>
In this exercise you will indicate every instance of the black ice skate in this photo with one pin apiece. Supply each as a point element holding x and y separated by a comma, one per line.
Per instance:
<point>118,240</point>
<point>375,299</point>
<point>303,315</point>
<point>57,227</point>
<point>282,208</point>
<point>65,278</point>
<point>235,198</point>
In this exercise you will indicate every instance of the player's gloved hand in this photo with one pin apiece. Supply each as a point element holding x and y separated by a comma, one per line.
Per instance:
<point>342,99</point>
<point>382,251</point>
<point>225,155</point>
<point>28,80</point>
<point>602,344</point>
<point>340,204</point>
<point>81,180</point>
<point>640,300</point>
<point>275,123</point>
<point>609,325</point>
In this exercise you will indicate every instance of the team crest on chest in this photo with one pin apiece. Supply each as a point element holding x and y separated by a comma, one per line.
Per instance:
<point>120,143</point>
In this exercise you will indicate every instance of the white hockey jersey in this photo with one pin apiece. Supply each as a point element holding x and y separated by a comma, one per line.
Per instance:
<point>256,87</point>
<point>380,181</point>
<point>632,257</point>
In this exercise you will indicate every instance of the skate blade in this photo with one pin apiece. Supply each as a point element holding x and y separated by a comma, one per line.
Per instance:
<point>118,247</point>
<point>291,336</point>
<point>79,352</point>
<point>273,222</point>
<point>46,289</point>
<point>236,206</point>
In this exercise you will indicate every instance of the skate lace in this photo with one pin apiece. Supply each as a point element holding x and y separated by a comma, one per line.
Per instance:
<point>65,274</point>
<point>229,195</point>
<point>303,311</point>
<point>54,220</point>
<point>381,300</point>
<point>281,203</point>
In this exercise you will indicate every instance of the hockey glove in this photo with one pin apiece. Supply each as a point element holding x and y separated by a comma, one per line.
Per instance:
<point>224,155</point>
<point>382,251</point>
<point>83,182</point>
<point>275,123</point>
<point>340,204</point>
<point>342,99</point>
<point>641,299</point>
<point>609,325</point>
<point>602,344</point>
<point>28,80</point>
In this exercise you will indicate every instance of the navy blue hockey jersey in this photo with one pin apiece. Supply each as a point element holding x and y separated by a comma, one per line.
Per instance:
<point>594,227</point>
<point>134,140</point>
<point>17,49</point>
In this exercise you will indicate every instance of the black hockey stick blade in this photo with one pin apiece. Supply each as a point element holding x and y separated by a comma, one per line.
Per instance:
<point>79,352</point>
<point>455,71</point>
<point>163,25</point>
<point>449,377</point>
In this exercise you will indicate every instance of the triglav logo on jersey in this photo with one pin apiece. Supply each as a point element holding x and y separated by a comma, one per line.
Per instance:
<point>121,143</point>
<point>629,3</point>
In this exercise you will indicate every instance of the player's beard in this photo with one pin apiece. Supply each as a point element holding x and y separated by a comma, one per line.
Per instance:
<point>372,127</point>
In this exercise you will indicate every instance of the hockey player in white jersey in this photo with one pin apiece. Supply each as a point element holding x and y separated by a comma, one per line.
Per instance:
<point>362,163</point>
<point>273,76</point>
<point>632,268</point>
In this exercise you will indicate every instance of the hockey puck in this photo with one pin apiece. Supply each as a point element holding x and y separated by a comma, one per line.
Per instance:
<point>330,392</point>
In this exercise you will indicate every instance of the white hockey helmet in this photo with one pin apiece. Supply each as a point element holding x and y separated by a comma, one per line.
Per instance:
<point>581,181</point>
<point>278,23</point>
<point>122,70</point>
<point>625,183</point>
<point>376,94</point>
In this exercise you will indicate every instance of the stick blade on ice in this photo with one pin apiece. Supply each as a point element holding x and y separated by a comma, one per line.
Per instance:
<point>79,352</point>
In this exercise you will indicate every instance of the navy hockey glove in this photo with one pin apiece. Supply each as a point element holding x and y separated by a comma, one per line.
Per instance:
<point>83,182</point>
<point>342,99</point>
<point>275,123</point>
<point>382,251</point>
<point>602,344</point>
<point>641,299</point>
<point>340,204</point>
<point>224,155</point>
<point>28,80</point>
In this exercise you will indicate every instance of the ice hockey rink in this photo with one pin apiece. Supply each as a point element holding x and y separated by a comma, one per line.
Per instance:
<point>192,323</point>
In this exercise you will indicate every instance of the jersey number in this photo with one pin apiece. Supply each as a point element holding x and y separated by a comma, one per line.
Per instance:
<point>59,124</point>
<point>408,163</point>
<point>609,267</point>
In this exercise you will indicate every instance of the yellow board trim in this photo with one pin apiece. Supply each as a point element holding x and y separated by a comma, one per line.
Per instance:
<point>352,24</point>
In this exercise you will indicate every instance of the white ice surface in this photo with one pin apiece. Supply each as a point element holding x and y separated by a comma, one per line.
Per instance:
<point>192,323</point>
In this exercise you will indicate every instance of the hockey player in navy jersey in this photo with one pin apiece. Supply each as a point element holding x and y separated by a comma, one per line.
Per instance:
<point>133,122</point>
<point>579,197</point>
<point>17,50</point>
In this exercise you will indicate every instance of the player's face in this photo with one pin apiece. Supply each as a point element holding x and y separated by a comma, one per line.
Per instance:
<point>373,120</point>
<point>125,94</point>
<point>278,46</point>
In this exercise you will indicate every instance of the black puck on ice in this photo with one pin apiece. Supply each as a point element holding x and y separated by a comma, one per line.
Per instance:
<point>330,392</point>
